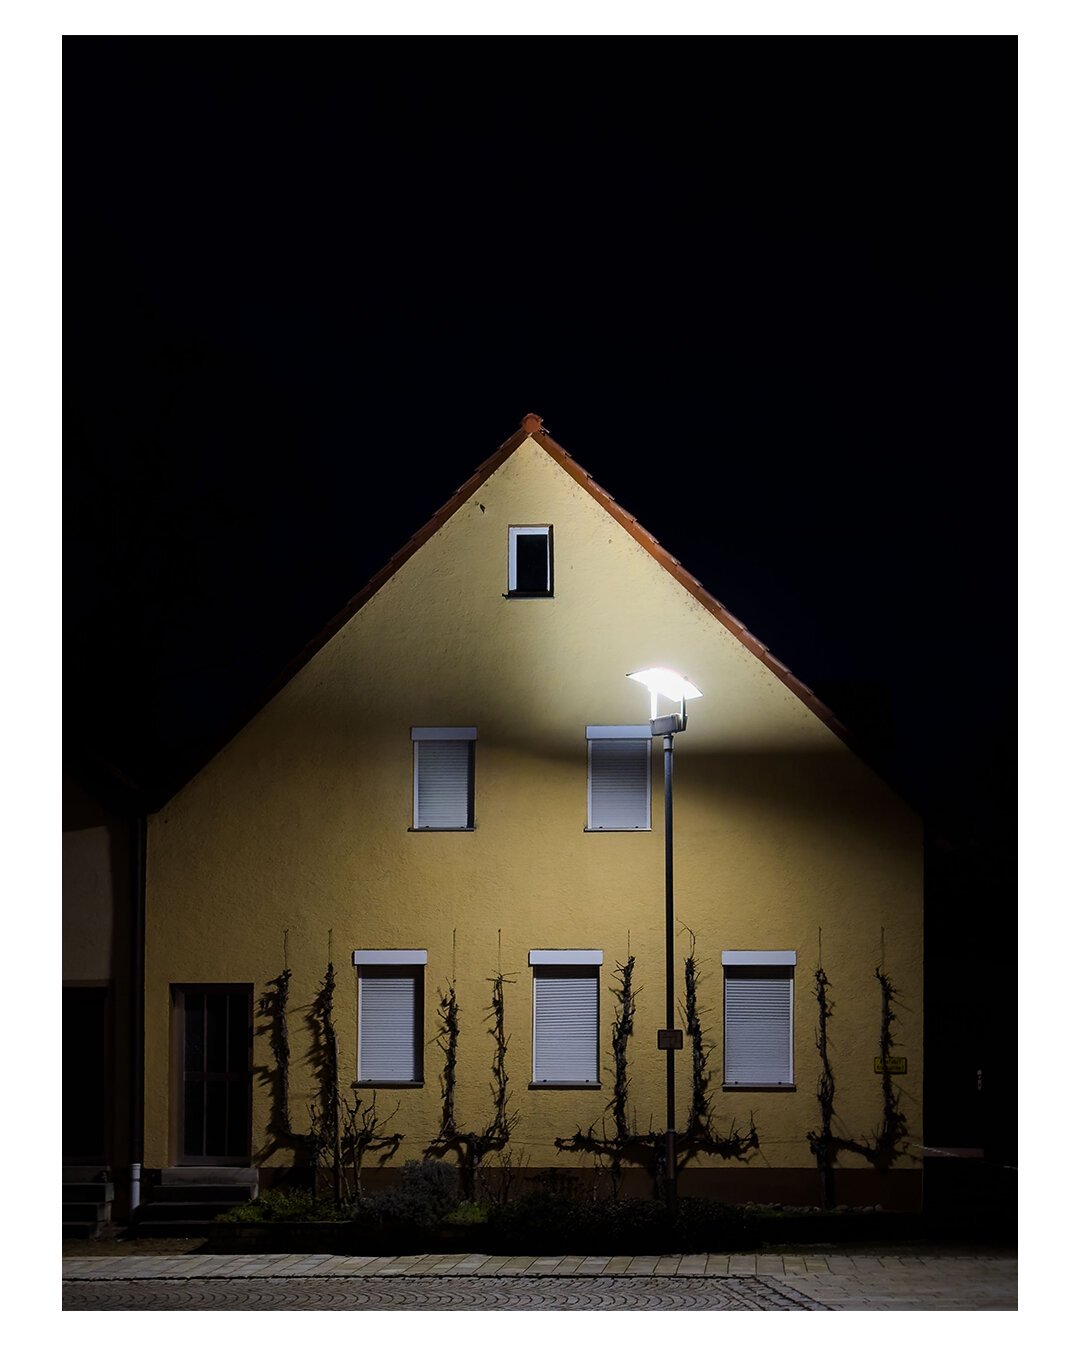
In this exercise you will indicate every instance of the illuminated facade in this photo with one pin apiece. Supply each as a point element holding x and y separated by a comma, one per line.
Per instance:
<point>459,783</point>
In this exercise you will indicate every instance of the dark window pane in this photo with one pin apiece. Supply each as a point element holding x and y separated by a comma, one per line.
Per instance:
<point>532,562</point>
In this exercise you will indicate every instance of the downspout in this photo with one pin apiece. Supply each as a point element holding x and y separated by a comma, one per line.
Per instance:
<point>138,1003</point>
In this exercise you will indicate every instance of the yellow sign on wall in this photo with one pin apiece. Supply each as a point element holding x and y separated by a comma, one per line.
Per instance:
<point>896,1063</point>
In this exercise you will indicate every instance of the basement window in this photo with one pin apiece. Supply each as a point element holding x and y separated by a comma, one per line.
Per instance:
<point>758,1018</point>
<point>390,1020</point>
<point>566,1018</point>
<point>444,777</point>
<point>530,568</point>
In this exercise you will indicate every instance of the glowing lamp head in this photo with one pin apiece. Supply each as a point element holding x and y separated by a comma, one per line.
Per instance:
<point>659,680</point>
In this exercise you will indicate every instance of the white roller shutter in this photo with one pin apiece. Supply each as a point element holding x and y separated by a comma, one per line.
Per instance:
<point>619,796</point>
<point>442,780</point>
<point>566,1024</point>
<point>389,1002</point>
<point>758,1006</point>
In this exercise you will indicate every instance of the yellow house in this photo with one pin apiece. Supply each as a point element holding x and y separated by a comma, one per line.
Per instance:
<point>456,800</point>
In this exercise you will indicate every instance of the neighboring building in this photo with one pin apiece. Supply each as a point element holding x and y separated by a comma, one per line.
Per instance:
<point>100,849</point>
<point>456,783</point>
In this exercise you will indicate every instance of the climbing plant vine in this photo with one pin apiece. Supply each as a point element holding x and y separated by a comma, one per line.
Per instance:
<point>471,1147</point>
<point>887,1143</point>
<point>701,1135</point>
<point>340,1133</point>
<point>619,1145</point>
<point>274,1006</point>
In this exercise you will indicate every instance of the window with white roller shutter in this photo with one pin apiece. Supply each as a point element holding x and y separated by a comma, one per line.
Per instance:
<point>566,1017</point>
<point>391,1016</point>
<point>620,784</point>
<point>758,1018</point>
<point>443,777</point>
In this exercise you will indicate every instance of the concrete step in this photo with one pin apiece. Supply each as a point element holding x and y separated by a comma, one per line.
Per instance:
<point>187,1199</point>
<point>85,1211</point>
<point>103,1192</point>
<point>86,1172</point>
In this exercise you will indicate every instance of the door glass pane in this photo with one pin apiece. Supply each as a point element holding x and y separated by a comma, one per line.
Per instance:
<point>215,1092</point>
<point>237,1124</point>
<point>193,1119</point>
<point>238,1033</point>
<point>194,1035</point>
<point>216,1134</point>
<point>216,1018</point>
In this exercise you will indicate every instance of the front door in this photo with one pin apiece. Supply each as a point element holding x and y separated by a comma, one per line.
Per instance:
<point>212,1048</point>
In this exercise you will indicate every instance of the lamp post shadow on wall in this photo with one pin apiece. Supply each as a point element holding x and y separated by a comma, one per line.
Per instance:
<point>659,680</point>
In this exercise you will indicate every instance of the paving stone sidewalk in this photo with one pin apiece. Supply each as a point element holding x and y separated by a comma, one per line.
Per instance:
<point>764,1281</point>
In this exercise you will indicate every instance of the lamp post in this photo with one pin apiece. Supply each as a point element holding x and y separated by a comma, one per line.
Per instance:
<point>678,689</point>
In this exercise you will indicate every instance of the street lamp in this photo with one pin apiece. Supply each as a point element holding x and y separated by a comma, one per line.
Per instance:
<point>659,680</point>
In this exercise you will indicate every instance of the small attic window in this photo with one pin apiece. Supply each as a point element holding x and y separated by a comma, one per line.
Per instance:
<point>531,574</point>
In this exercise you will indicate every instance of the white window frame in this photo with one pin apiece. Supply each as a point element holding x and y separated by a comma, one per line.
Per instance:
<point>421,735</point>
<point>622,732</point>
<point>569,961</point>
<point>411,963</point>
<point>516,532</point>
<point>783,963</point>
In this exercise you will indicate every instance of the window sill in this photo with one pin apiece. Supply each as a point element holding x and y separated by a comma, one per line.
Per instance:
<point>529,595</point>
<point>388,1083</point>
<point>564,1087</point>
<point>618,829</point>
<point>757,1087</point>
<point>442,829</point>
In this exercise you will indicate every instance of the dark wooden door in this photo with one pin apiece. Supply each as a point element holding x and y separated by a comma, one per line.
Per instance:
<point>213,1024</point>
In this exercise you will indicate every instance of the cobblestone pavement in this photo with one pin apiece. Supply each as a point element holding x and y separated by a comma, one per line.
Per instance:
<point>753,1282</point>
<point>743,1293</point>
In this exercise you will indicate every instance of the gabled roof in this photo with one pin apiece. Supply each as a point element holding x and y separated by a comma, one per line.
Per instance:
<point>532,426</point>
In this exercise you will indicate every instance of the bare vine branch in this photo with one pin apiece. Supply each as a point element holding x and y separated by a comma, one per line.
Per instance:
<point>622,1145</point>
<point>887,1144</point>
<point>472,1147</point>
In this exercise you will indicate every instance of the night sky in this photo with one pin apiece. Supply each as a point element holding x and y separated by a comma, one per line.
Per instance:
<point>764,290</point>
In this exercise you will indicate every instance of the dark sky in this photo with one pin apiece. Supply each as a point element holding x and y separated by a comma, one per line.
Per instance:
<point>762,289</point>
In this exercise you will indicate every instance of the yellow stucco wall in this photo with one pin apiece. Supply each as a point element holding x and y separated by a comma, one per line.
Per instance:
<point>783,837</point>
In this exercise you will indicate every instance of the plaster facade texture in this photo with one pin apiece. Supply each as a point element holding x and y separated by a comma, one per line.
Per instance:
<point>300,827</point>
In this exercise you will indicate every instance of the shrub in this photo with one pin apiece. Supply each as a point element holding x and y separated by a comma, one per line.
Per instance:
<point>559,1223</point>
<point>425,1194</point>
<point>543,1218</point>
<point>708,1225</point>
<point>468,1212</point>
<point>283,1206</point>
